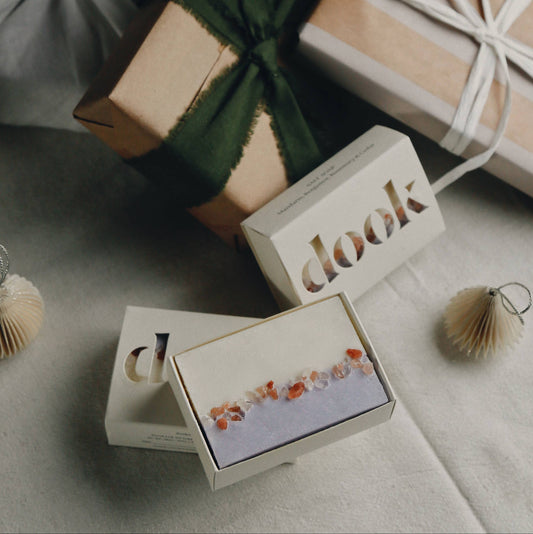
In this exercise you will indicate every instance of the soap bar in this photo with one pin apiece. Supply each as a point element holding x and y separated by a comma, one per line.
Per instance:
<point>270,386</point>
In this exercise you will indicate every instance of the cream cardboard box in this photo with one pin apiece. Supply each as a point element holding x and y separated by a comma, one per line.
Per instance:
<point>141,409</point>
<point>347,224</point>
<point>280,388</point>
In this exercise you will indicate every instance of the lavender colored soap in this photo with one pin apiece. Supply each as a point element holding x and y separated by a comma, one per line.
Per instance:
<point>279,381</point>
<point>276,422</point>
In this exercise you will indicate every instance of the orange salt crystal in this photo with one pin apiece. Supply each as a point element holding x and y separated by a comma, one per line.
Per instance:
<point>368,368</point>
<point>262,391</point>
<point>400,213</point>
<point>359,244</point>
<point>313,376</point>
<point>296,390</point>
<point>356,364</point>
<point>222,423</point>
<point>235,418</point>
<point>338,370</point>
<point>273,392</point>
<point>415,205</point>
<point>270,385</point>
<point>234,409</point>
<point>354,354</point>
<point>313,288</point>
<point>226,405</point>
<point>216,411</point>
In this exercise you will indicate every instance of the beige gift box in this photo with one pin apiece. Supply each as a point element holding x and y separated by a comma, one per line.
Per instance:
<point>276,431</point>
<point>415,68</point>
<point>347,224</point>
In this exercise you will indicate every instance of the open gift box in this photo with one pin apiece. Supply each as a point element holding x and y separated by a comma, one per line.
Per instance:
<point>415,68</point>
<point>277,389</point>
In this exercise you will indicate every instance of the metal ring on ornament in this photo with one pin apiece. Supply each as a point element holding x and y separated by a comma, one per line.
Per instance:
<point>506,302</point>
<point>4,263</point>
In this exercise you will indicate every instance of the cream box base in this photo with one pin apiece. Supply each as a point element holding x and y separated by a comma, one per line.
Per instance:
<point>274,349</point>
<point>141,409</point>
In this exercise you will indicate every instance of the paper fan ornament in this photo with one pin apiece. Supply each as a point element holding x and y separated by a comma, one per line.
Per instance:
<point>482,320</point>
<point>21,310</point>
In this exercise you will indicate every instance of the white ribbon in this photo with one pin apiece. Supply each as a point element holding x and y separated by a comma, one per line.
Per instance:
<point>495,47</point>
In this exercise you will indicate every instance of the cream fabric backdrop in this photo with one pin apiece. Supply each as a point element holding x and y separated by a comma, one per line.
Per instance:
<point>94,238</point>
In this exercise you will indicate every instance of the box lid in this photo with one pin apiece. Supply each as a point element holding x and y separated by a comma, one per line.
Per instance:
<point>139,391</point>
<point>349,223</point>
<point>267,393</point>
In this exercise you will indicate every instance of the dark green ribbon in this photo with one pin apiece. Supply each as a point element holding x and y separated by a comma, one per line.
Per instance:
<point>197,157</point>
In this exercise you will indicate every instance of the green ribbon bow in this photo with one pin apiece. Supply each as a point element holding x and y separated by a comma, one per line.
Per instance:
<point>196,159</point>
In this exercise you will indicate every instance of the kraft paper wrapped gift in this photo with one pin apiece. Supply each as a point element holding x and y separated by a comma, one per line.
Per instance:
<point>223,149</point>
<point>415,68</point>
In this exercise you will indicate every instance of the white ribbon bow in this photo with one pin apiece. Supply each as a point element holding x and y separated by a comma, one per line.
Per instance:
<point>495,47</point>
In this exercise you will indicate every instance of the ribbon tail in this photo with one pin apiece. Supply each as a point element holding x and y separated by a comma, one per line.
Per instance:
<point>442,12</point>
<point>467,10</point>
<point>457,172</point>
<point>509,12</point>
<point>472,102</point>
<point>480,159</point>
<point>520,55</point>
<point>296,143</point>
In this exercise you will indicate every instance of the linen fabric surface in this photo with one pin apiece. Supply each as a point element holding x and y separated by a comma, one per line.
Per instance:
<point>94,237</point>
